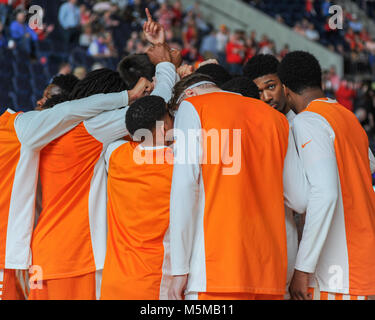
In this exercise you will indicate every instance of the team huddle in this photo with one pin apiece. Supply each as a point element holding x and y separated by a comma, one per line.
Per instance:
<point>162,181</point>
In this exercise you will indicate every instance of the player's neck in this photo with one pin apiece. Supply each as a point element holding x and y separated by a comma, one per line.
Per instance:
<point>309,96</point>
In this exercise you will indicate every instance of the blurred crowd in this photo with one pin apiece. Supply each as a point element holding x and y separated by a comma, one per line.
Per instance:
<point>113,29</point>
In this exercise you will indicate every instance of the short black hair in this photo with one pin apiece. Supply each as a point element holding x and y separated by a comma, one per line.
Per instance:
<point>55,100</point>
<point>300,70</point>
<point>144,113</point>
<point>217,72</point>
<point>135,66</point>
<point>98,81</point>
<point>242,85</point>
<point>65,82</point>
<point>261,65</point>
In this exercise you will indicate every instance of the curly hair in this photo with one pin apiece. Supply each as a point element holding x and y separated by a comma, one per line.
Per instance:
<point>135,66</point>
<point>144,113</point>
<point>299,71</point>
<point>98,81</point>
<point>261,65</point>
<point>217,72</point>
<point>242,85</point>
<point>65,82</point>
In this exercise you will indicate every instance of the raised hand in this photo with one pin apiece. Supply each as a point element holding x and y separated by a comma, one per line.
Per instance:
<point>153,31</point>
<point>141,89</point>
<point>185,70</point>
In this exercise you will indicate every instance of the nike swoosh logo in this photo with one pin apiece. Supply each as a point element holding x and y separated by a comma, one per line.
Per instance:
<point>304,145</point>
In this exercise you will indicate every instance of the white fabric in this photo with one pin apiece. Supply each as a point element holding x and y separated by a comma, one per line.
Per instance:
<point>188,199</point>
<point>35,129</point>
<point>323,242</point>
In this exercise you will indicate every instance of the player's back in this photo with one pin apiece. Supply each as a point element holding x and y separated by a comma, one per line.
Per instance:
<point>62,242</point>
<point>138,219</point>
<point>244,219</point>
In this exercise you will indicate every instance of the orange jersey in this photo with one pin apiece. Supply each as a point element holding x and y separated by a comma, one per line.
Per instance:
<point>330,136</point>
<point>9,154</point>
<point>235,222</point>
<point>70,237</point>
<point>138,219</point>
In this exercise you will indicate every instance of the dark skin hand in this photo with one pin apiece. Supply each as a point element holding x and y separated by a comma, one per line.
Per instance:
<point>299,286</point>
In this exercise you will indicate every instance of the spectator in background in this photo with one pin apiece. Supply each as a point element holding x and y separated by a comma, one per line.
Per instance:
<point>222,38</point>
<point>64,69</point>
<point>190,33</point>
<point>70,19</point>
<point>4,10</point>
<point>309,9</point>
<point>355,24</point>
<point>345,95</point>
<point>235,51</point>
<point>102,46</point>
<point>209,46</point>
<point>21,33</point>
<point>3,39</point>
<point>87,37</point>
<point>334,78</point>
<point>80,72</point>
<point>311,33</point>
<point>325,8</point>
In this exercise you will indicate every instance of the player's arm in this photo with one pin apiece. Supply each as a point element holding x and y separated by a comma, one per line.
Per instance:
<point>153,31</point>
<point>184,196</point>
<point>35,129</point>
<point>166,75</point>
<point>315,142</point>
<point>372,160</point>
<point>296,186</point>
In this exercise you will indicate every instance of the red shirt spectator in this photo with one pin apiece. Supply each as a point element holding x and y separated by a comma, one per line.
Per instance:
<point>345,95</point>
<point>235,52</point>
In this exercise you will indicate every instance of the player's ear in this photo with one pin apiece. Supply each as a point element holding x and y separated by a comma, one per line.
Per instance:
<point>190,93</point>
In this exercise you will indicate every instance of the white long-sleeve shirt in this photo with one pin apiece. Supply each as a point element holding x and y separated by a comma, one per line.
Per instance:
<point>34,130</point>
<point>323,246</point>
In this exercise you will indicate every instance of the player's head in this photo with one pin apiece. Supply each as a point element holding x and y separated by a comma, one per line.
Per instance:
<point>65,82</point>
<point>194,85</point>
<point>135,66</point>
<point>54,100</point>
<point>149,115</point>
<point>98,81</point>
<point>243,86</point>
<point>49,92</point>
<point>301,74</point>
<point>216,72</point>
<point>262,69</point>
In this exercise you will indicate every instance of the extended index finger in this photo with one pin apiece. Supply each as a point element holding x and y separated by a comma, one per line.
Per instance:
<point>149,16</point>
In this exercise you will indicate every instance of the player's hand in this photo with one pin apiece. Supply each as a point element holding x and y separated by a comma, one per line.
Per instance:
<point>185,70</point>
<point>141,89</point>
<point>159,53</point>
<point>299,286</point>
<point>209,61</point>
<point>153,31</point>
<point>177,287</point>
<point>176,57</point>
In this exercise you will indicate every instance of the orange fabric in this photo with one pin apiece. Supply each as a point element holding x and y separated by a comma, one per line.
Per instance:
<point>244,217</point>
<point>10,288</point>
<point>237,296</point>
<point>76,288</point>
<point>61,242</point>
<point>352,153</point>
<point>10,148</point>
<point>138,218</point>
<point>322,295</point>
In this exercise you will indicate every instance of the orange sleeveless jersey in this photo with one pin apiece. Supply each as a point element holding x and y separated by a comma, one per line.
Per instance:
<point>138,219</point>
<point>62,239</point>
<point>10,149</point>
<point>244,214</point>
<point>351,147</point>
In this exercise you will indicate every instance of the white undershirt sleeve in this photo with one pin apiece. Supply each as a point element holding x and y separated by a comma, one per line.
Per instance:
<point>315,143</point>
<point>35,129</point>
<point>372,161</point>
<point>166,78</point>
<point>185,187</point>
<point>296,187</point>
